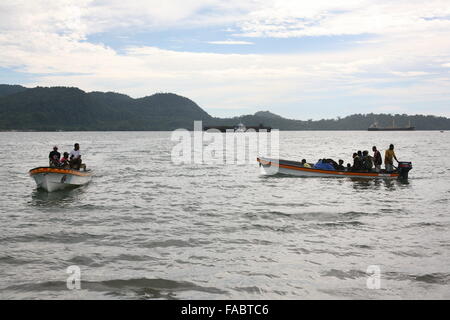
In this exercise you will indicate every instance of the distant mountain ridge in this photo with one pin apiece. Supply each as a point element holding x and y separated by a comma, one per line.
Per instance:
<point>63,108</point>
<point>267,114</point>
<point>6,89</point>
<point>72,109</point>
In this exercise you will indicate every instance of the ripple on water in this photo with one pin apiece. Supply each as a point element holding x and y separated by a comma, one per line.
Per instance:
<point>11,260</point>
<point>174,243</point>
<point>340,224</point>
<point>57,237</point>
<point>439,278</point>
<point>348,274</point>
<point>141,287</point>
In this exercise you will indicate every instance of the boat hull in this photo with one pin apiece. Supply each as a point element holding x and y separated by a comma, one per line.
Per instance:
<point>53,179</point>
<point>392,129</point>
<point>274,166</point>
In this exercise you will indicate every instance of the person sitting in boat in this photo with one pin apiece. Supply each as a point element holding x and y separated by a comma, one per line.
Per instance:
<point>305,164</point>
<point>340,165</point>
<point>53,157</point>
<point>389,155</point>
<point>377,161</point>
<point>75,158</point>
<point>64,162</point>
<point>323,165</point>
<point>357,163</point>
<point>367,161</point>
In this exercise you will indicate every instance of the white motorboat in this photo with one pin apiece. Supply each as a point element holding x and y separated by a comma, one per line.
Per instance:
<point>52,179</point>
<point>274,166</point>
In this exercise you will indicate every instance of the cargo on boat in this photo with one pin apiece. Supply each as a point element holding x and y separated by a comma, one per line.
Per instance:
<point>52,178</point>
<point>272,166</point>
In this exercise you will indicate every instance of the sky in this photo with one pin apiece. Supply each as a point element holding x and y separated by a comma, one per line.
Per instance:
<point>299,59</point>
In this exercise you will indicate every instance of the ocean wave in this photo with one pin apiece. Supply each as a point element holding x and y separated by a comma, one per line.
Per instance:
<point>140,287</point>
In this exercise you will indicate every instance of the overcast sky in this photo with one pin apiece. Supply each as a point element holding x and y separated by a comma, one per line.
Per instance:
<point>300,59</point>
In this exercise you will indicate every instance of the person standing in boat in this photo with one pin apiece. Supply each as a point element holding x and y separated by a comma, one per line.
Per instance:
<point>377,161</point>
<point>389,155</point>
<point>75,158</point>
<point>53,157</point>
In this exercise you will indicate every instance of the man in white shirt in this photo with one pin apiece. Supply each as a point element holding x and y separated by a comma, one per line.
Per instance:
<point>75,158</point>
<point>75,153</point>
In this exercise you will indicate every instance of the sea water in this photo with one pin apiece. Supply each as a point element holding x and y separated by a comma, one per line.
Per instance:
<point>148,228</point>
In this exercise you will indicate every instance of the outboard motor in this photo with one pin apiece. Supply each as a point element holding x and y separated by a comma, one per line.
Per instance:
<point>403,169</point>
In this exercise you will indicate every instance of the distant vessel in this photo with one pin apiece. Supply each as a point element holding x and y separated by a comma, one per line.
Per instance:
<point>375,127</point>
<point>240,128</point>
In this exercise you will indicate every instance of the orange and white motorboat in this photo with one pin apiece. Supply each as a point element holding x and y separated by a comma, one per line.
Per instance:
<point>53,178</point>
<point>274,166</point>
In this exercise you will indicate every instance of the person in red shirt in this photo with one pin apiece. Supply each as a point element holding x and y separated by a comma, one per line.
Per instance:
<point>64,162</point>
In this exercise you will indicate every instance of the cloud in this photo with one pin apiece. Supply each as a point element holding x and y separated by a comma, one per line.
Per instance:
<point>390,109</point>
<point>293,18</point>
<point>255,18</point>
<point>411,73</point>
<point>48,39</point>
<point>231,42</point>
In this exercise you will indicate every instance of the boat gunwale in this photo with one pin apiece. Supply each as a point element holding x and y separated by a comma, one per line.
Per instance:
<point>39,170</point>
<point>333,172</point>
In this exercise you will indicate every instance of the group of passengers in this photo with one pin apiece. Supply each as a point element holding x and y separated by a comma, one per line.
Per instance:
<point>70,160</point>
<point>362,162</point>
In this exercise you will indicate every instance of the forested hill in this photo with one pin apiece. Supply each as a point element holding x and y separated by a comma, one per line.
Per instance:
<point>62,108</point>
<point>352,122</point>
<point>71,109</point>
<point>6,89</point>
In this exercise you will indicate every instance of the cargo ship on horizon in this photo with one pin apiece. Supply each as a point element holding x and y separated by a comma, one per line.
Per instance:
<point>375,127</point>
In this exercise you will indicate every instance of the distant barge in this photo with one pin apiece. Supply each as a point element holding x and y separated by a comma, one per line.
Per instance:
<point>238,128</point>
<point>375,127</point>
<point>392,129</point>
